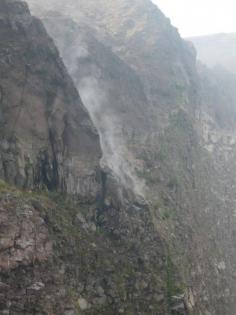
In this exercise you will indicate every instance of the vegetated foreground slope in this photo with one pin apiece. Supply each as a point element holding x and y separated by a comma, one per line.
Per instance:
<point>160,138</point>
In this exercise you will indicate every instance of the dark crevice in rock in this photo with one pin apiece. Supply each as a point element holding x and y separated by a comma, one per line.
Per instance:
<point>103,189</point>
<point>55,167</point>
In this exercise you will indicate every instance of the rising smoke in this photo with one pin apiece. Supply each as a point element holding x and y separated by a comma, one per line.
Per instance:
<point>114,148</point>
<point>93,89</point>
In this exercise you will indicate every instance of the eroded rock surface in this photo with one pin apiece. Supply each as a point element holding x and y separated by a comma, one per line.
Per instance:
<point>169,153</point>
<point>47,138</point>
<point>157,117</point>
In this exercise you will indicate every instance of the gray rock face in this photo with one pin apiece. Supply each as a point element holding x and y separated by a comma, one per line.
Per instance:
<point>124,74</point>
<point>102,79</point>
<point>47,138</point>
<point>156,116</point>
<point>168,152</point>
<point>15,14</point>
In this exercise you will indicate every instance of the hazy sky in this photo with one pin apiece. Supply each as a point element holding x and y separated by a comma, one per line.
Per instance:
<point>200,17</point>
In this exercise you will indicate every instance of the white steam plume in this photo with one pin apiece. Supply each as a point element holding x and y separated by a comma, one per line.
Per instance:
<point>115,152</point>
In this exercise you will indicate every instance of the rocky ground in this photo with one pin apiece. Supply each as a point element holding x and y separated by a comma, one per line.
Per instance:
<point>58,256</point>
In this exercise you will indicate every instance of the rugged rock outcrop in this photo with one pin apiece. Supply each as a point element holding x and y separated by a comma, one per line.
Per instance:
<point>169,152</point>
<point>156,116</point>
<point>47,138</point>
<point>112,92</point>
<point>135,61</point>
<point>60,257</point>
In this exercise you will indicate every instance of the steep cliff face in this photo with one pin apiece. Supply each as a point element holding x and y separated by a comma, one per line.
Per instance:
<point>168,152</point>
<point>112,92</point>
<point>216,123</point>
<point>172,254</point>
<point>142,37</point>
<point>154,71</point>
<point>216,120</point>
<point>47,138</point>
<point>59,256</point>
